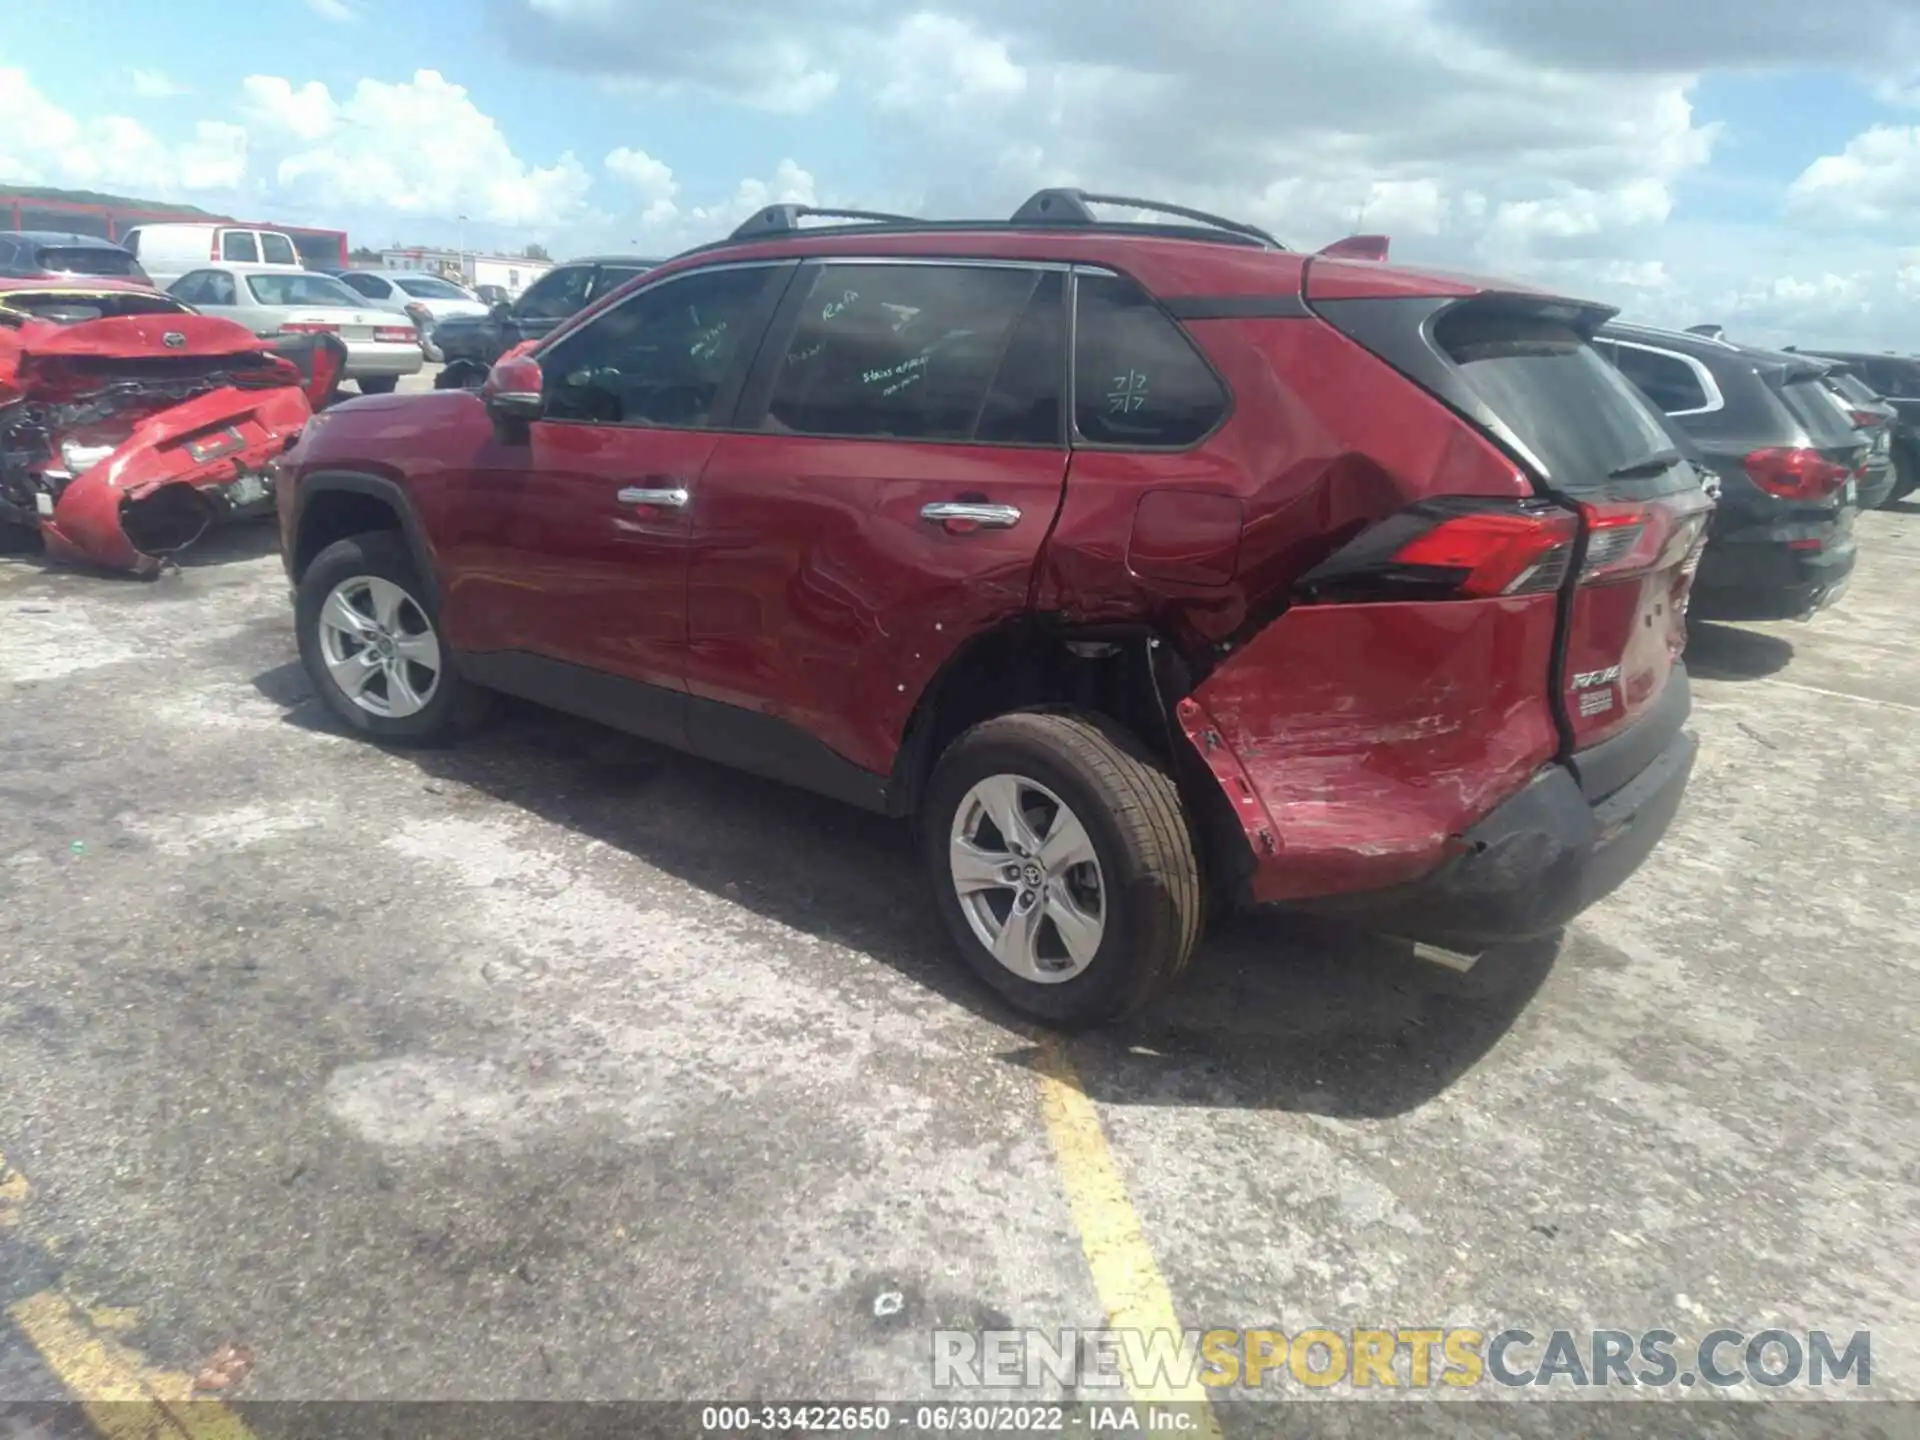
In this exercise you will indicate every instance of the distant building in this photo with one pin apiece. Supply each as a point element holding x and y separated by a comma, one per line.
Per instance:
<point>512,273</point>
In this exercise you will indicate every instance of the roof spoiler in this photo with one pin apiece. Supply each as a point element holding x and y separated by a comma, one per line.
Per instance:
<point>1357,247</point>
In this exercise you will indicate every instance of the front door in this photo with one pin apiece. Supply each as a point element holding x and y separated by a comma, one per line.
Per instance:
<point>590,562</point>
<point>899,460</point>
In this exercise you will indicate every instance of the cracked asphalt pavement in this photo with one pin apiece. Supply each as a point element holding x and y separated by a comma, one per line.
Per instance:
<point>552,1066</point>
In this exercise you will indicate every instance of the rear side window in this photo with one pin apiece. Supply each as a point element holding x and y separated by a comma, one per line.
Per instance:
<point>85,260</point>
<point>277,249</point>
<point>1667,380</point>
<point>1568,406</point>
<point>910,352</point>
<point>1138,381</point>
<point>239,245</point>
<point>372,286</point>
<point>1894,378</point>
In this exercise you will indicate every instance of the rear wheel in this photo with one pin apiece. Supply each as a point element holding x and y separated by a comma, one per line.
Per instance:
<point>371,644</point>
<point>377,384</point>
<point>1906,475</point>
<point>1063,865</point>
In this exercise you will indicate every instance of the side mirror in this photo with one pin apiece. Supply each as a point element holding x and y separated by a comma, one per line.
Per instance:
<point>512,393</point>
<point>502,312</point>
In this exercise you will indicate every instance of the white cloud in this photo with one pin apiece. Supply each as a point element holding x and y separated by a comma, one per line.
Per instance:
<point>653,179</point>
<point>41,143</point>
<point>1875,180</point>
<point>340,12</point>
<point>155,85</point>
<point>419,148</point>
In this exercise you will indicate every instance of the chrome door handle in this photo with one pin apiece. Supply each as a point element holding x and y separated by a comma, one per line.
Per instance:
<point>992,517</point>
<point>674,499</point>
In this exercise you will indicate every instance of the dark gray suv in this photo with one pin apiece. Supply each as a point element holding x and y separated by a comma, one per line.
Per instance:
<point>1787,455</point>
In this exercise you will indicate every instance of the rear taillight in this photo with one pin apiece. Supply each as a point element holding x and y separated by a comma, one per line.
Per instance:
<point>420,313</point>
<point>1796,474</point>
<point>1863,419</point>
<point>1451,549</point>
<point>308,327</point>
<point>1631,539</point>
<point>1467,549</point>
<point>396,334</point>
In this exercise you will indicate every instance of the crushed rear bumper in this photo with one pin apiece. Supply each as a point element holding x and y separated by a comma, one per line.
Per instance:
<point>1534,863</point>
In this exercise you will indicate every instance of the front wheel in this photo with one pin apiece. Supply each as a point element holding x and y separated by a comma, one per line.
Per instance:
<point>371,644</point>
<point>1064,865</point>
<point>377,384</point>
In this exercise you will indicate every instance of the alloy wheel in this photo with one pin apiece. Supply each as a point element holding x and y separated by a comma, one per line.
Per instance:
<point>379,647</point>
<point>1028,879</point>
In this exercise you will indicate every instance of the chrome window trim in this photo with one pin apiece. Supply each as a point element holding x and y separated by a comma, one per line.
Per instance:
<point>1708,385</point>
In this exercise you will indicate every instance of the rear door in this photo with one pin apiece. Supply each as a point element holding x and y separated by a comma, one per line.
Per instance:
<point>1605,451</point>
<point>906,459</point>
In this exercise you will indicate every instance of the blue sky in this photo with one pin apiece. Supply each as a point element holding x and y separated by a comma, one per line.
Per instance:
<point>1749,161</point>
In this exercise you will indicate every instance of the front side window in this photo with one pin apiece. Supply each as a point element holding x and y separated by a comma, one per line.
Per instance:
<point>301,289</point>
<point>908,352</point>
<point>661,358</point>
<point>1138,381</point>
<point>277,249</point>
<point>557,294</point>
<point>239,246</point>
<point>1667,380</point>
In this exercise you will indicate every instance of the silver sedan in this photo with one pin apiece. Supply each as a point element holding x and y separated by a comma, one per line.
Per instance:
<point>381,346</point>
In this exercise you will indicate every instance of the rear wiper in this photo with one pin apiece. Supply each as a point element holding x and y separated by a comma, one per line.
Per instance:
<point>1652,465</point>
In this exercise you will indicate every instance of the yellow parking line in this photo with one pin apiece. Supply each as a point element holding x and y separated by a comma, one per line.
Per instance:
<point>122,1396</point>
<point>1125,1275</point>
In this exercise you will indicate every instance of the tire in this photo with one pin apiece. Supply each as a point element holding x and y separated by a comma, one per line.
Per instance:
<point>367,570</point>
<point>1906,475</point>
<point>1149,890</point>
<point>377,384</point>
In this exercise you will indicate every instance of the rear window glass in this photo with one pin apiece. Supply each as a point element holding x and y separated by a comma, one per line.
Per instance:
<point>86,260</point>
<point>71,309</point>
<point>1817,408</point>
<point>1573,410</point>
<point>277,249</point>
<point>426,287</point>
<point>300,290</point>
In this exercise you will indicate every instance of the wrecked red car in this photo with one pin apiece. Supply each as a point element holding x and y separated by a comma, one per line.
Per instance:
<point>129,423</point>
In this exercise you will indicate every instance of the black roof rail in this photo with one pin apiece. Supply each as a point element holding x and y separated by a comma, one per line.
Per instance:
<point>1069,207</point>
<point>785,220</point>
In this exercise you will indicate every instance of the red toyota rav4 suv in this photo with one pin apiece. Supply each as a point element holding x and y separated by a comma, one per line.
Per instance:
<point>1149,566</point>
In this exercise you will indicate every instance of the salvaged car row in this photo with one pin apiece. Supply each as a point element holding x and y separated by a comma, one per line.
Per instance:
<point>1151,569</point>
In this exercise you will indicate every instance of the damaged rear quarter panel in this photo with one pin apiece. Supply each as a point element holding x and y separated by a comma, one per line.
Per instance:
<point>1371,735</point>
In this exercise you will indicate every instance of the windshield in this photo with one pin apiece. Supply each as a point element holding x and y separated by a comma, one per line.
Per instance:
<point>87,260</point>
<point>1577,414</point>
<point>428,287</point>
<point>301,290</point>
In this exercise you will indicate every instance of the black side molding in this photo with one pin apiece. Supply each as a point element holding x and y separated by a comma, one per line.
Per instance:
<point>743,739</point>
<point>1238,307</point>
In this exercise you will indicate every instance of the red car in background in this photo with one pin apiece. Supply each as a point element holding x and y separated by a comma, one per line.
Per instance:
<point>129,423</point>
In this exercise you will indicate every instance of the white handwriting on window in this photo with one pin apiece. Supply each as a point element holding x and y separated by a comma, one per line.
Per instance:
<point>1128,394</point>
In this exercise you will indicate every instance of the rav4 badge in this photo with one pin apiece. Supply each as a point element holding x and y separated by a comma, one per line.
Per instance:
<point>1588,679</point>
